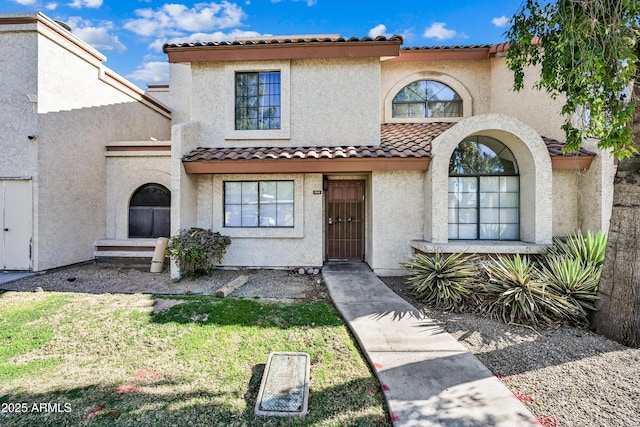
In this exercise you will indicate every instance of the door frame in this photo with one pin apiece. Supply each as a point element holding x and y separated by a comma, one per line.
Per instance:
<point>27,243</point>
<point>363,223</point>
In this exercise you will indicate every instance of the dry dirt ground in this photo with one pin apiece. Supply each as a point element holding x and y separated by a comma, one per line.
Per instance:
<point>566,376</point>
<point>95,277</point>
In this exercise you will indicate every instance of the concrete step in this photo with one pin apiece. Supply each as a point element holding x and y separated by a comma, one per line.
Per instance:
<point>141,249</point>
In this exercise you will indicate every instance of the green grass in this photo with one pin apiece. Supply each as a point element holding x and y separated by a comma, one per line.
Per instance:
<point>24,328</point>
<point>114,362</point>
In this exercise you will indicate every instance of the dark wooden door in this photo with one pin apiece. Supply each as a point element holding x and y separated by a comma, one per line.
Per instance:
<point>345,219</point>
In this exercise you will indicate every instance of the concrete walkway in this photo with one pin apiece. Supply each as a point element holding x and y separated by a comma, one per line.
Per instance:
<point>428,378</point>
<point>12,276</point>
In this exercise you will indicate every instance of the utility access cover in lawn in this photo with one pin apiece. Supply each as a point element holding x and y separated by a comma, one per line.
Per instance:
<point>284,389</point>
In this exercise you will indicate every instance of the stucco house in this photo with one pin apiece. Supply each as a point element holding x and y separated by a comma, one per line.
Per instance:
<point>65,120</point>
<point>301,149</point>
<point>309,149</point>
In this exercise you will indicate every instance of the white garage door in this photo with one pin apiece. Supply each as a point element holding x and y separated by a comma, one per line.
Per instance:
<point>15,224</point>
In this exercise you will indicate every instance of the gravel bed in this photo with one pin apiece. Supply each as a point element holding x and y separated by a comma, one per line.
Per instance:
<point>566,376</point>
<point>279,285</point>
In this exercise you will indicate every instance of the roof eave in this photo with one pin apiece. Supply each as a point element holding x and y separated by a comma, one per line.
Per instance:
<point>348,165</point>
<point>208,53</point>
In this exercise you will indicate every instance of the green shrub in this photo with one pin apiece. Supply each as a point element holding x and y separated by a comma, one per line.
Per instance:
<point>515,294</point>
<point>572,268</point>
<point>197,250</point>
<point>576,282</point>
<point>588,250</point>
<point>449,283</point>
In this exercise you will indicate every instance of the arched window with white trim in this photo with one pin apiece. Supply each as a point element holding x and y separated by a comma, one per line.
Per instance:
<point>426,99</point>
<point>484,191</point>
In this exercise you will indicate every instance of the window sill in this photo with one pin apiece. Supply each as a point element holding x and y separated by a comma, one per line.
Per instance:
<point>479,247</point>
<point>232,134</point>
<point>263,232</point>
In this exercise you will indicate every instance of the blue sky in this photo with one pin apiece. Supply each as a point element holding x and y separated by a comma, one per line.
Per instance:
<point>131,32</point>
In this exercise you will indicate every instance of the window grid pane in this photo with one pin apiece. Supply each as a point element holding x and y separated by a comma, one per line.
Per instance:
<point>475,213</point>
<point>426,98</point>
<point>258,100</point>
<point>259,204</point>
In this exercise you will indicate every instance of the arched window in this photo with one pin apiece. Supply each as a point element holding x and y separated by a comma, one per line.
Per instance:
<point>150,212</point>
<point>484,191</point>
<point>426,99</point>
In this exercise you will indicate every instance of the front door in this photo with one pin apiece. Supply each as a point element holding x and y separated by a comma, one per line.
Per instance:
<point>15,224</point>
<point>345,220</point>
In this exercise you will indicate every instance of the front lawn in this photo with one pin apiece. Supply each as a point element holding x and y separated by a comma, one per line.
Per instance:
<point>110,360</point>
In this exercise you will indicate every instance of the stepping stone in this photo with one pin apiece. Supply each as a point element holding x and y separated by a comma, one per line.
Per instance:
<point>284,390</point>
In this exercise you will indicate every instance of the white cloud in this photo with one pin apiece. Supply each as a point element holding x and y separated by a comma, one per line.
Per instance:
<point>309,2</point>
<point>97,35</point>
<point>85,3</point>
<point>25,2</point>
<point>51,6</point>
<point>501,21</point>
<point>439,31</point>
<point>217,36</point>
<point>151,72</point>
<point>378,30</point>
<point>177,19</point>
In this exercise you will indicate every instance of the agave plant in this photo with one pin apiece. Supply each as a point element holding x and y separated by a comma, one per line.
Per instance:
<point>587,249</point>
<point>449,282</point>
<point>570,278</point>
<point>513,295</point>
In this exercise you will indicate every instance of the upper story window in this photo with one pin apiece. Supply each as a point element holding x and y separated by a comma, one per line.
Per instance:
<point>257,100</point>
<point>426,99</point>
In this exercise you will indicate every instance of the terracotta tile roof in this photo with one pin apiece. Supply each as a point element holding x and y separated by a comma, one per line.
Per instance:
<point>458,47</point>
<point>555,148</point>
<point>397,140</point>
<point>277,41</point>
<point>411,137</point>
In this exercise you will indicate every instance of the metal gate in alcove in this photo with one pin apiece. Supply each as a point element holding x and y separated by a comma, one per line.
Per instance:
<point>345,220</point>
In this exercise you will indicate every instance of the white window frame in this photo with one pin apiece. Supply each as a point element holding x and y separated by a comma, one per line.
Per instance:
<point>217,213</point>
<point>259,203</point>
<point>455,85</point>
<point>231,133</point>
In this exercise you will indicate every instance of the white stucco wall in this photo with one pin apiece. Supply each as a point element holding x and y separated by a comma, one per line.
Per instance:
<point>397,218</point>
<point>126,172</point>
<point>329,102</point>
<point>180,92</point>
<point>566,200</point>
<point>533,107</point>
<point>185,137</point>
<point>19,115</point>
<point>65,81</point>
<point>595,190</point>
<point>301,245</point>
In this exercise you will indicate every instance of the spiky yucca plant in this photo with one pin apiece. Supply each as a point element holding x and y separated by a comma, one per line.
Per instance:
<point>513,295</point>
<point>588,249</point>
<point>449,283</point>
<point>577,282</point>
